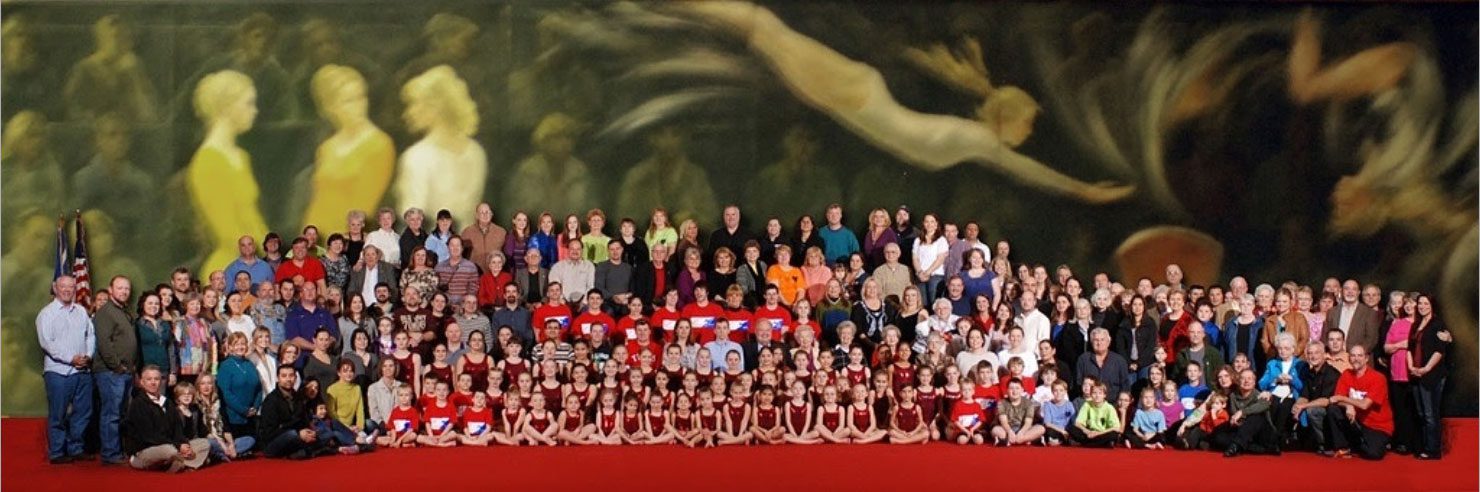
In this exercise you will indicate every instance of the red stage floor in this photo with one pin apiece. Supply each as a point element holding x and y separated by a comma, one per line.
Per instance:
<point>816,468</point>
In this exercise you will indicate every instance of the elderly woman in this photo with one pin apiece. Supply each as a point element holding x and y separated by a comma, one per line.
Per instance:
<point>1282,381</point>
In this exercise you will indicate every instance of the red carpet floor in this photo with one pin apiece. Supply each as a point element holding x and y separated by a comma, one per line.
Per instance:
<point>815,468</point>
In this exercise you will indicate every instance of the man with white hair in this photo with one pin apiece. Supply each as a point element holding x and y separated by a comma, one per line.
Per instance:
<point>1105,366</point>
<point>67,341</point>
<point>1315,400</point>
<point>1357,321</point>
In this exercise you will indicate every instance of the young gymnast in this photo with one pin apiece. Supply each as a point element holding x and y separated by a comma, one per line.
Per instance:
<point>863,427</point>
<point>737,417</point>
<point>401,425</point>
<point>765,421</point>
<point>799,416</point>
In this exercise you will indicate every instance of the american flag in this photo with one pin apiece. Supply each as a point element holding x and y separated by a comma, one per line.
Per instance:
<point>61,263</point>
<point>79,265</point>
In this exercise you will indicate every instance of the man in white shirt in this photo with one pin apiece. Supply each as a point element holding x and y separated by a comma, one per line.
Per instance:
<point>575,273</point>
<point>1036,327</point>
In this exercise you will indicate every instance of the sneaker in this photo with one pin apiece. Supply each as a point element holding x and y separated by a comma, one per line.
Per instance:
<point>347,450</point>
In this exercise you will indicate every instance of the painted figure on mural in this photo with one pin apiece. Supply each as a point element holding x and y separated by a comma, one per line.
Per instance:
<point>111,79</point>
<point>32,177</point>
<point>219,177</point>
<point>27,82</point>
<point>352,168</point>
<point>667,179</point>
<point>855,95</point>
<point>321,43</point>
<point>447,168</point>
<point>552,178</point>
<point>251,54</point>
<point>797,182</point>
<point>451,41</point>
<point>110,180</point>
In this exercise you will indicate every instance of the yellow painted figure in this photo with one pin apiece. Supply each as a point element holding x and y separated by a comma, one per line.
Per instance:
<point>352,168</point>
<point>222,187</point>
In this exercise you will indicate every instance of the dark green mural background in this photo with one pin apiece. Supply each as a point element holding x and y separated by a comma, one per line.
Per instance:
<point>1190,104</point>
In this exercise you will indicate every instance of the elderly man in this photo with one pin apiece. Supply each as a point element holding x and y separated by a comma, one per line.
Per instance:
<point>1253,431</point>
<point>483,237</point>
<point>1362,421</point>
<point>1357,321</point>
<point>1102,364</point>
<point>372,270</point>
<point>155,437</point>
<point>67,342</point>
<point>1320,379</point>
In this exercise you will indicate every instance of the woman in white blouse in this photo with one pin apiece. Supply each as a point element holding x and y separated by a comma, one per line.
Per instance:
<point>930,257</point>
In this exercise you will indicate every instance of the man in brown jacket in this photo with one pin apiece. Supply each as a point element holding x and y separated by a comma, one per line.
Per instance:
<point>1354,319</point>
<point>483,237</point>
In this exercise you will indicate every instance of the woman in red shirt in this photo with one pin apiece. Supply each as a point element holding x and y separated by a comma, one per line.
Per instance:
<point>491,283</point>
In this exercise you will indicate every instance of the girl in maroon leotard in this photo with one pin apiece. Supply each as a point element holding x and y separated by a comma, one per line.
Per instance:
<point>799,416</point>
<point>685,421</point>
<point>630,423</point>
<point>830,425</point>
<point>765,418</point>
<point>861,426</point>
<point>572,422</point>
<point>907,425</point>
<point>709,419</point>
<point>736,428</point>
<point>655,420</point>
<point>603,426</point>
<point>538,423</point>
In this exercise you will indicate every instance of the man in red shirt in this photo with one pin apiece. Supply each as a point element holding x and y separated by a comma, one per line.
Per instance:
<point>772,314</point>
<point>553,308</point>
<point>643,340</point>
<point>302,264</point>
<point>701,314</point>
<point>593,318</point>
<point>1364,422</point>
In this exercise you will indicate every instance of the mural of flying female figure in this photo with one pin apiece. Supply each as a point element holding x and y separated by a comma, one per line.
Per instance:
<point>854,94</point>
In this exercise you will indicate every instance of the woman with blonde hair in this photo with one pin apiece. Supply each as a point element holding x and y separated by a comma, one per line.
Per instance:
<point>447,168</point>
<point>352,168</point>
<point>219,177</point>
<point>660,231</point>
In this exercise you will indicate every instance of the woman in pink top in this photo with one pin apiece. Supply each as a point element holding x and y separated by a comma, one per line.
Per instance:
<point>1396,346</point>
<point>816,273</point>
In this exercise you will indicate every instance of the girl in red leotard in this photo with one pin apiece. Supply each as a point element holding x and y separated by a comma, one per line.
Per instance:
<point>765,418</point>
<point>549,382</point>
<point>655,421</point>
<point>538,423</point>
<point>855,372</point>
<point>799,416</point>
<point>475,362</point>
<point>512,416</point>
<point>603,426</point>
<point>630,423</point>
<point>861,422</point>
<point>830,425</point>
<point>572,422</point>
<point>736,428</point>
<point>709,419</point>
<point>513,364</point>
<point>901,372</point>
<point>906,424</point>
<point>408,363</point>
<point>685,422</point>
<point>580,385</point>
<point>927,396</point>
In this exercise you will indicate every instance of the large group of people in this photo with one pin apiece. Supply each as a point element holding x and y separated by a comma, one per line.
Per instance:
<point>522,334</point>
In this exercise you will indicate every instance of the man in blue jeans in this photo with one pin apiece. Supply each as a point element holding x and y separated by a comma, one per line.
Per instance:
<point>114,367</point>
<point>66,336</point>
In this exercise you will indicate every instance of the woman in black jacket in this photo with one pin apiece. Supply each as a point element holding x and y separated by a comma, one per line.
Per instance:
<point>1136,340</point>
<point>1428,367</point>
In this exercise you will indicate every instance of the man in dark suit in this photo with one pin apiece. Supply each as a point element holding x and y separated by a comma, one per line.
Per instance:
<point>371,271</point>
<point>1356,320</point>
<point>762,339</point>
<point>650,280</point>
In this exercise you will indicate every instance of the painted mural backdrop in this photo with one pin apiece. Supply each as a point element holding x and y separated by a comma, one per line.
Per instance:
<point>1272,142</point>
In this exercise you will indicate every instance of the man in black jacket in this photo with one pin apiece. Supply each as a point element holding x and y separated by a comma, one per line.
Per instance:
<point>283,425</point>
<point>652,280</point>
<point>153,437</point>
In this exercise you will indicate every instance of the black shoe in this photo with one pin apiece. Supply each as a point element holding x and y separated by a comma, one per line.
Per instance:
<point>60,460</point>
<point>1231,451</point>
<point>1403,450</point>
<point>1325,452</point>
<point>1275,450</point>
<point>108,462</point>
